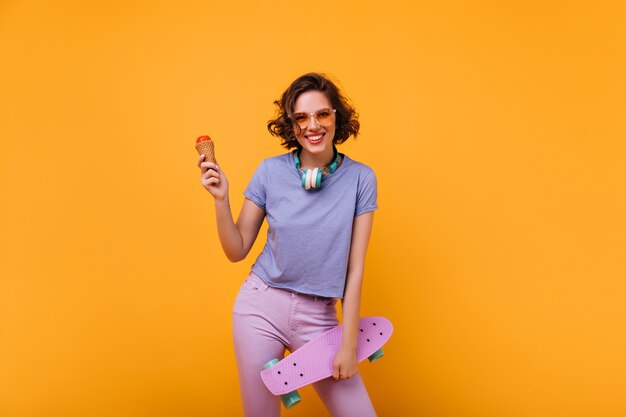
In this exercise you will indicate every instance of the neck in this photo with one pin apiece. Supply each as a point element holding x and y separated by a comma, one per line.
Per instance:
<point>310,161</point>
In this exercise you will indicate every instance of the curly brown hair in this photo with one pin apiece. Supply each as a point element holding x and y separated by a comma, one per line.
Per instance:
<point>347,123</point>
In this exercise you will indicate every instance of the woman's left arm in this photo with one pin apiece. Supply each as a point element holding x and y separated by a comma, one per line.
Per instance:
<point>345,362</point>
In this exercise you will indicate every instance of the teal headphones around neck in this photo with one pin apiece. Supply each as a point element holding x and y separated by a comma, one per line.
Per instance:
<point>313,178</point>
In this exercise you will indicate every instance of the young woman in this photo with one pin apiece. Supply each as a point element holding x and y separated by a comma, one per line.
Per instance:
<point>319,207</point>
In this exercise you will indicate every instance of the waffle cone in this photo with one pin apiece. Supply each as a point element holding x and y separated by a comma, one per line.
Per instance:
<point>206,147</point>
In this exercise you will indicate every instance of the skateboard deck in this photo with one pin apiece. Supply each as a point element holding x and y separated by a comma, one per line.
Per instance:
<point>314,360</point>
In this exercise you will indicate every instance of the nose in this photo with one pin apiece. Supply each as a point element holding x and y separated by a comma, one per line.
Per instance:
<point>313,123</point>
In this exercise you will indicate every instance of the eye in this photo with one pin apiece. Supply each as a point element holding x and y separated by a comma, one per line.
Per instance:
<point>324,113</point>
<point>300,117</point>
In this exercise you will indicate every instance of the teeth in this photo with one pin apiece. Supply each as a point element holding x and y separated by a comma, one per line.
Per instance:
<point>315,137</point>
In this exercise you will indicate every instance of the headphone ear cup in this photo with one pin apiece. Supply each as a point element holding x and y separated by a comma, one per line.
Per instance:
<point>318,178</point>
<point>311,178</point>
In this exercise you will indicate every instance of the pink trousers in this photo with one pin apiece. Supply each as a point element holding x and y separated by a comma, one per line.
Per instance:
<point>266,321</point>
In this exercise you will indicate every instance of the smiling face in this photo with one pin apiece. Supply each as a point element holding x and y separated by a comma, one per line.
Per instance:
<point>315,139</point>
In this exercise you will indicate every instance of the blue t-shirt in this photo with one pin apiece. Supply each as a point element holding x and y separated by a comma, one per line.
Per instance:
<point>310,232</point>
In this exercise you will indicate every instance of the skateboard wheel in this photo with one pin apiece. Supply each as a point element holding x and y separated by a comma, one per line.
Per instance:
<point>290,399</point>
<point>376,355</point>
<point>270,363</point>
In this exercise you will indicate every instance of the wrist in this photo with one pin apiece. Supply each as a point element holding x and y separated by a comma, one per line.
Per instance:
<point>222,201</point>
<point>349,347</point>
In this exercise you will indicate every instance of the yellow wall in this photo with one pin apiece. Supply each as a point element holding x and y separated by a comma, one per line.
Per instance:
<point>497,132</point>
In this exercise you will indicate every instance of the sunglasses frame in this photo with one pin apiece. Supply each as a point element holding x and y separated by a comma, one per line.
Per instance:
<point>314,115</point>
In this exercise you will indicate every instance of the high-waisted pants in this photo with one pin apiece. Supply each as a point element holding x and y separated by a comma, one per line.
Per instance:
<point>266,321</point>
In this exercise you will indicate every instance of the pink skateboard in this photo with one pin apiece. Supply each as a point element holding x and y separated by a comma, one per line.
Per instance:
<point>314,361</point>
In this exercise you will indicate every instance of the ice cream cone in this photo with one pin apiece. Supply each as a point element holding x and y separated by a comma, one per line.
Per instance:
<point>204,145</point>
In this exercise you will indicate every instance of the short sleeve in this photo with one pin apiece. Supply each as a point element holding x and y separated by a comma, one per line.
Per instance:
<point>367,194</point>
<point>257,187</point>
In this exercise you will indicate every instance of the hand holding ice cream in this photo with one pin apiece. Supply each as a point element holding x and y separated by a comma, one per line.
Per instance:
<point>213,179</point>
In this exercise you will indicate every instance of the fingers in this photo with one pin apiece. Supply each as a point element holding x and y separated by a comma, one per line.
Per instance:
<point>208,170</point>
<point>209,165</point>
<point>206,165</point>
<point>211,182</point>
<point>342,373</point>
<point>211,174</point>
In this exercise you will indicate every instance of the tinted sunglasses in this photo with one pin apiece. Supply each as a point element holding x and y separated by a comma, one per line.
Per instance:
<point>323,117</point>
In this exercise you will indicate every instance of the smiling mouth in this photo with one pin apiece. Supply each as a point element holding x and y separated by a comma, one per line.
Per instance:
<point>315,138</point>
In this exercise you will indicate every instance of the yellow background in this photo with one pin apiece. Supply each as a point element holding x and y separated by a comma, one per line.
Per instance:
<point>496,129</point>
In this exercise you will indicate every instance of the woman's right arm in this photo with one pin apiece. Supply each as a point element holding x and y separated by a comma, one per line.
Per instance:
<point>236,238</point>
